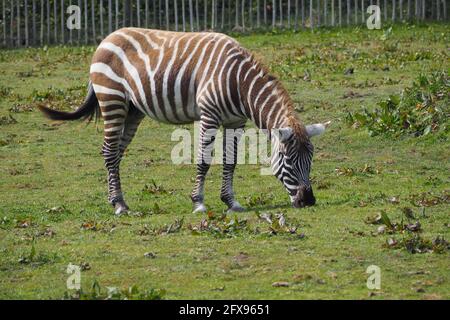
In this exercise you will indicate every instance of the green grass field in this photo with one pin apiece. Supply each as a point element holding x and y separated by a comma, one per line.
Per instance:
<point>54,208</point>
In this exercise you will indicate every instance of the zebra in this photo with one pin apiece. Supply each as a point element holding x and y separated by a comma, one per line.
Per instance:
<point>183,77</point>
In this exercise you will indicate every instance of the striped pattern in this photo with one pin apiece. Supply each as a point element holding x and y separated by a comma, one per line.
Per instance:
<point>184,77</point>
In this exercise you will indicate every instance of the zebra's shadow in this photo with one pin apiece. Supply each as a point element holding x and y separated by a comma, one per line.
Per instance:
<point>268,207</point>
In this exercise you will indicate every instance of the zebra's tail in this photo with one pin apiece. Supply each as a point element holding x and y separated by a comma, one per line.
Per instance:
<point>88,110</point>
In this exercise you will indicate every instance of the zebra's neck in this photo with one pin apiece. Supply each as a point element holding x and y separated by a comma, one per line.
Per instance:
<point>264,99</point>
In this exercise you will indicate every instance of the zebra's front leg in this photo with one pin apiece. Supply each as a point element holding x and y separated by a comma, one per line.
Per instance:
<point>230,146</point>
<point>207,135</point>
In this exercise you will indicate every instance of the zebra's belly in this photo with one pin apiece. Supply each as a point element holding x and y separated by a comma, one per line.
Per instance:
<point>169,110</point>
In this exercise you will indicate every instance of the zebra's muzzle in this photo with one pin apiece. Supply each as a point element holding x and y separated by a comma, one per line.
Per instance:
<point>303,198</point>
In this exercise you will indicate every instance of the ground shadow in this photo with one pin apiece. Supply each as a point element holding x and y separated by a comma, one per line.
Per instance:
<point>268,207</point>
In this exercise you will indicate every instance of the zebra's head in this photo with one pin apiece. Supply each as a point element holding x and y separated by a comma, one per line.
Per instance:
<point>291,162</point>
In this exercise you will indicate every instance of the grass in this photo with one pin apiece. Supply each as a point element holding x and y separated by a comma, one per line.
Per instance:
<point>53,185</point>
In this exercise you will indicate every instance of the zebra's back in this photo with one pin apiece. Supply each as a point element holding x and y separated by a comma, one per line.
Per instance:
<point>163,73</point>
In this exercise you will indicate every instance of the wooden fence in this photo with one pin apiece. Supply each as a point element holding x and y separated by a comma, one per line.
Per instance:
<point>44,22</point>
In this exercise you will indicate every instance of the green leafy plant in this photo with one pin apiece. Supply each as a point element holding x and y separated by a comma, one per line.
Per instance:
<point>419,110</point>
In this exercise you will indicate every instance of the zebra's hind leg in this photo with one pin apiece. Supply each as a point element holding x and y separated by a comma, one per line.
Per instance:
<point>208,131</point>
<point>230,145</point>
<point>114,114</point>
<point>132,121</point>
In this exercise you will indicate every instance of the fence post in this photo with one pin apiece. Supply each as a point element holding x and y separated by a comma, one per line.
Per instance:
<point>438,10</point>
<point>146,13</point>
<point>86,36</point>
<point>197,15</point>
<point>191,16</point>
<point>348,12</point>
<point>408,10</point>
<point>167,14</point>
<point>183,14</point>
<point>110,22</point>
<point>63,27</point>
<point>55,21</point>
<point>311,18</point>
<point>274,12</point>
<point>49,21</point>
<point>265,13</point>
<point>340,13</point>
<point>101,20</point>
<point>19,44</point>
<point>250,14</point>
<point>94,35</point>
<point>423,12</point>
<point>393,10</point>
<point>258,14</point>
<point>318,13</point>
<point>243,14</point>
<point>385,9</point>
<point>213,5</point>
<point>175,6</point>
<point>138,13</point>
<point>222,13</point>
<point>11,30</point>
<point>26,24</point>
<point>42,24</point>
<point>281,13</point>
<point>4,22</point>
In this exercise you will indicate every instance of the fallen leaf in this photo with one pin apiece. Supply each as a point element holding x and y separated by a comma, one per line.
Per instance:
<point>150,255</point>
<point>279,284</point>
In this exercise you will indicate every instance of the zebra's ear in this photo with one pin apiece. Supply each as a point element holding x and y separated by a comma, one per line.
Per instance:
<point>317,129</point>
<point>285,134</point>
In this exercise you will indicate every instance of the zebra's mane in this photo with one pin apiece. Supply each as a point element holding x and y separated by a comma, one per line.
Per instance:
<point>293,119</point>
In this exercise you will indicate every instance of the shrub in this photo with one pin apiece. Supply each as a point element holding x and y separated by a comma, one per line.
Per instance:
<point>419,110</point>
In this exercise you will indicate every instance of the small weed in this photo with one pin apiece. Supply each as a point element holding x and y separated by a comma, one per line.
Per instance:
<point>156,209</point>
<point>415,243</point>
<point>261,199</point>
<point>36,259</point>
<point>219,225</point>
<point>428,199</point>
<point>113,293</point>
<point>154,188</point>
<point>5,120</point>
<point>278,224</point>
<point>5,91</point>
<point>174,227</point>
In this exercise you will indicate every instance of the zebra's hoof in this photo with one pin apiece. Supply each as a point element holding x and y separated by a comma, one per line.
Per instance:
<point>120,208</point>
<point>236,208</point>
<point>199,208</point>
